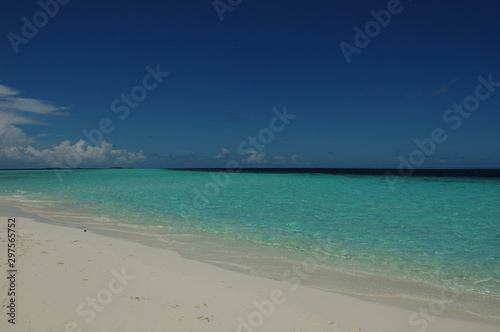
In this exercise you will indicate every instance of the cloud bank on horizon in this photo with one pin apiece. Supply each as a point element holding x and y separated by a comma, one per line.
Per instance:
<point>16,146</point>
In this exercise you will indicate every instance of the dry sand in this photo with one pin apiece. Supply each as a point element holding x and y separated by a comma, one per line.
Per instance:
<point>71,280</point>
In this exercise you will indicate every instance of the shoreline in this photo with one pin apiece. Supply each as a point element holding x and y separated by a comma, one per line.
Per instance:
<point>93,254</point>
<point>276,264</point>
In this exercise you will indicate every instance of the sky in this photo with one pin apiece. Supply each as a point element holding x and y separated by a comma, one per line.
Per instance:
<point>258,83</point>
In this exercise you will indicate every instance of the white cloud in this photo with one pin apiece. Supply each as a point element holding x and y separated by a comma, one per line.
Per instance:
<point>27,105</point>
<point>5,91</point>
<point>10,118</point>
<point>221,155</point>
<point>255,158</point>
<point>11,135</point>
<point>17,148</point>
<point>279,160</point>
<point>17,110</point>
<point>294,158</point>
<point>68,155</point>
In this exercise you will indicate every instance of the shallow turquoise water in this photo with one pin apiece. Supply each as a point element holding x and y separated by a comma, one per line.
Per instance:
<point>433,230</point>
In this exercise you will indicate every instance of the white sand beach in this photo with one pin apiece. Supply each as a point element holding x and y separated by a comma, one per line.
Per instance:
<point>71,280</point>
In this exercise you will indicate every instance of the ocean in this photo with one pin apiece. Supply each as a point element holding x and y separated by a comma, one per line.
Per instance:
<point>348,233</point>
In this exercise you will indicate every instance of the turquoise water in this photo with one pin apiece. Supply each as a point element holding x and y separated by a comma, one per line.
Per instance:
<point>439,231</point>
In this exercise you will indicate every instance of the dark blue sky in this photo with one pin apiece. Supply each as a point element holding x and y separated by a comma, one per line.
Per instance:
<point>226,77</point>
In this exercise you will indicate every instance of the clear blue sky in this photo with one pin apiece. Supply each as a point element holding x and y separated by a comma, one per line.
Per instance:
<point>226,77</point>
